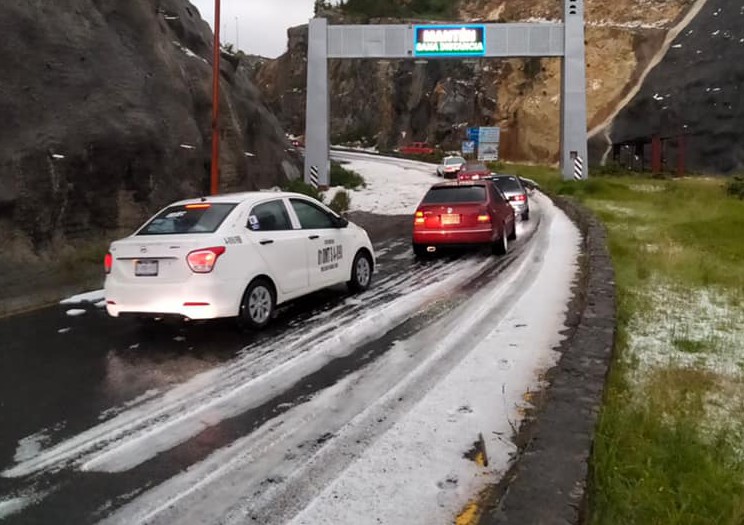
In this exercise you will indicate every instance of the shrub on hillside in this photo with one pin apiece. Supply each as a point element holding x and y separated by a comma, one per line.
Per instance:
<point>349,179</point>
<point>396,8</point>
<point>735,186</point>
<point>340,202</point>
<point>300,186</point>
<point>610,169</point>
<point>495,167</point>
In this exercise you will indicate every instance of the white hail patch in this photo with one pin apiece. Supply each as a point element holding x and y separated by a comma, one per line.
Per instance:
<point>622,211</point>
<point>703,329</point>
<point>647,188</point>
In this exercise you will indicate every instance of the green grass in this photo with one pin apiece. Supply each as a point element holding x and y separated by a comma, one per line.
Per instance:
<point>657,457</point>
<point>689,346</point>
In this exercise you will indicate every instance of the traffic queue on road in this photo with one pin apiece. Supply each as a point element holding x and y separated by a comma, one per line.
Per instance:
<point>242,255</point>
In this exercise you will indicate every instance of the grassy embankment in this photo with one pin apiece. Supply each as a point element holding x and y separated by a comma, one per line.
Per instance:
<point>670,442</point>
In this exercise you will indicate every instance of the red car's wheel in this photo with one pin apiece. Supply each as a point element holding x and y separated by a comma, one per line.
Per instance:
<point>501,246</point>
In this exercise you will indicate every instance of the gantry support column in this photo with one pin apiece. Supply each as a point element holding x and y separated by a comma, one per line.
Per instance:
<point>317,165</point>
<point>573,94</point>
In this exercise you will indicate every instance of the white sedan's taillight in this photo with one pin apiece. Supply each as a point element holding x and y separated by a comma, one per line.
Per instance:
<point>203,261</point>
<point>108,262</point>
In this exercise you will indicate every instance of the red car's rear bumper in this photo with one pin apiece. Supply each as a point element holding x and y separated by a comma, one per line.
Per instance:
<point>463,236</point>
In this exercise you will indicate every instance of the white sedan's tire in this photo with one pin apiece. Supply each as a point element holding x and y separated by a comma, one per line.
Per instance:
<point>361,272</point>
<point>258,305</point>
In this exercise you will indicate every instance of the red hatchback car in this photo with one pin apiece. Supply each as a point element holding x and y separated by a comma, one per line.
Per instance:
<point>473,171</point>
<point>455,214</point>
<point>417,148</point>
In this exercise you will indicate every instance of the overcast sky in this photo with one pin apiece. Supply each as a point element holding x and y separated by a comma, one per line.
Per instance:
<point>261,24</point>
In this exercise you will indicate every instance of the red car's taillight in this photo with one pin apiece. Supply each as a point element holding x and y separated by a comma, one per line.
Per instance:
<point>203,261</point>
<point>108,262</point>
<point>419,219</point>
<point>484,218</point>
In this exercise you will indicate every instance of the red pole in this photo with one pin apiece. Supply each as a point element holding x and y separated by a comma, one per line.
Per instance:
<point>681,147</point>
<point>656,154</point>
<point>214,185</point>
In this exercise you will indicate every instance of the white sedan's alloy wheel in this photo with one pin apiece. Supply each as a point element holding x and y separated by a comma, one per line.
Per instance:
<point>259,304</point>
<point>363,272</point>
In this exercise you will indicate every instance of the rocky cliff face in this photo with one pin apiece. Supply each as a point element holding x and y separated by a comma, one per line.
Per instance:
<point>697,90</point>
<point>394,102</point>
<point>106,116</point>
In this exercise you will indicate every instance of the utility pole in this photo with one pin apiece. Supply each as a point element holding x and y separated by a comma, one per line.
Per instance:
<point>214,185</point>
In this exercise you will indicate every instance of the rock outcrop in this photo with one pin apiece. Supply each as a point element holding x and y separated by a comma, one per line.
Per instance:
<point>697,91</point>
<point>398,101</point>
<point>106,109</point>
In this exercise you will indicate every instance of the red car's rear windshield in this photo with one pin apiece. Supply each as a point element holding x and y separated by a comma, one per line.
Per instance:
<point>191,218</point>
<point>455,194</point>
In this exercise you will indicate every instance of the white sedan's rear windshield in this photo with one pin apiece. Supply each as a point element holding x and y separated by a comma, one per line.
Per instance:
<point>454,194</point>
<point>188,218</point>
<point>454,160</point>
<point>508,184</point>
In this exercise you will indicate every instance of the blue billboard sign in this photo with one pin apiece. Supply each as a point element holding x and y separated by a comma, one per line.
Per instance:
<point>465,40</point>
<point>489,134</point>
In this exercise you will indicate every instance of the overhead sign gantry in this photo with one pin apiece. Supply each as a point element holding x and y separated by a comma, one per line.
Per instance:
<point>450,41</point>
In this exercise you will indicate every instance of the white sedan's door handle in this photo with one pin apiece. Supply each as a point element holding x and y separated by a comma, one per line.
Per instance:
<point>266,241</point>
<point>313,237</point>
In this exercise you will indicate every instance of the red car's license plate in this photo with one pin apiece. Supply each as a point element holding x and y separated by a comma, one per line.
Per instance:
<point>146,268</point>
<point>450,218</point>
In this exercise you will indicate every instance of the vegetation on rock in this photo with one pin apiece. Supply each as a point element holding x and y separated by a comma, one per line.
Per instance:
<point>400,9</point>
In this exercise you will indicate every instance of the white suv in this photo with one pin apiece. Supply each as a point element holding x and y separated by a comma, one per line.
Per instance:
<point>234,255</point>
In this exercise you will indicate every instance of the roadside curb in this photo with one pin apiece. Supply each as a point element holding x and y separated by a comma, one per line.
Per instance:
<point>547,483</point>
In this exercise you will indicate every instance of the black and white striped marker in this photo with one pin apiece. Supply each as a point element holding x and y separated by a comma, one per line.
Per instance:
<point>314,176</point>
<point>578,168</point>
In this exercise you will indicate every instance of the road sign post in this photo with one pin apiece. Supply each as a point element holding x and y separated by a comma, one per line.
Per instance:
<point>488,145</point>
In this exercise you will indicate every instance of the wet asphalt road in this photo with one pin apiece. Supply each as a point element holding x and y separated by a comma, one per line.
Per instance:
<point>61,375</point>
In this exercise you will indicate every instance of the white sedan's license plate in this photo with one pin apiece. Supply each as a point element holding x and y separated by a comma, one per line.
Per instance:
<point>146,268</point>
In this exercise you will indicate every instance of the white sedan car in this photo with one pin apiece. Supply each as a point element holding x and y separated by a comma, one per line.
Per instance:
<point>450,166</point>
<point>236,255</point>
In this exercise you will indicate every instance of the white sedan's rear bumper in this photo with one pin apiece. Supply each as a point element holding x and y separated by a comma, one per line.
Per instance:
<point>199,298</point>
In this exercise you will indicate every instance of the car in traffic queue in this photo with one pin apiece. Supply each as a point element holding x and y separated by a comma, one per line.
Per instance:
<point>515,191</point>
<point>529,184</point>
<point>473,171</point>
<point>459,214</point>
<point>417,148</point>
<point>450,166</point>
<point>236,255</point>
